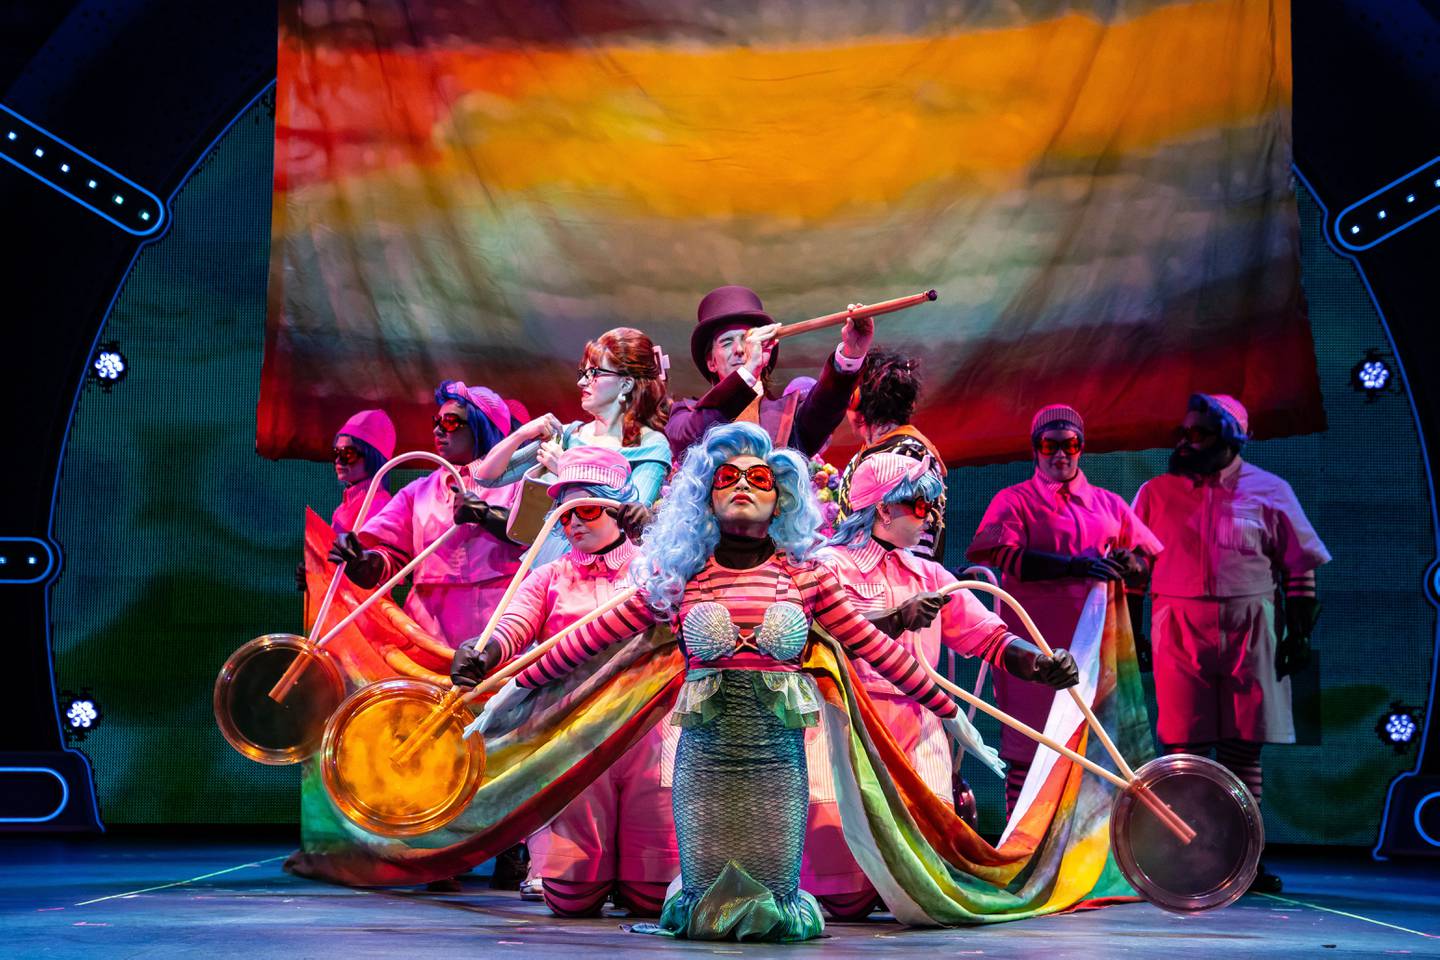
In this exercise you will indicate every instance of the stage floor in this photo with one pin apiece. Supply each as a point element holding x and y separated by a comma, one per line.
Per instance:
<point>124,897</point>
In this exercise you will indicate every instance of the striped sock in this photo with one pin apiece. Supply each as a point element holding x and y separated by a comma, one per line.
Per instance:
<point>642,898</point>
<point>849,907</point>
<point>576,898</point>
<point>1242,758</point>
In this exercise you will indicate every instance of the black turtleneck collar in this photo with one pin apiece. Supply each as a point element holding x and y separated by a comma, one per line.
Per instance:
<point>884,543</point>
<point>604,550</point>
<point>741,553</point>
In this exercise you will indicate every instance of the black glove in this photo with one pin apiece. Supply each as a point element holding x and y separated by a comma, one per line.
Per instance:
<point>1035,565</point>
<point>1143,653</point>
<point>1024,660</point>
<point>632,518</point>
<point>364,568</point>
<point>1292,649</point>
<point>469,666</point>
<point>916,613</point>
<point>300,583</point>
<point>1134,568</point>
<point>469,508</point>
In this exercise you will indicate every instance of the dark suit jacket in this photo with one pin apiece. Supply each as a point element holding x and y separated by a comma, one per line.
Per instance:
<point>818,413</point>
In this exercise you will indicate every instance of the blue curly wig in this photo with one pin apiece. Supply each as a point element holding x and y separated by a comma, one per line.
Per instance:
<point>685,531</point>
<point>854,530</point>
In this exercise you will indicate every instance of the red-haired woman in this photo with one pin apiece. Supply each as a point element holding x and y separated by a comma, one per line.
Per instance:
<point>622,389</point>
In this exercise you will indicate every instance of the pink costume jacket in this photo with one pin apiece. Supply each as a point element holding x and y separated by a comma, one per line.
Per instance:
<point>343,519</point>
<point>1229,535</point>
<point>621,827</point>
<point>1229,538</point>
<point>1073,519</point>
<point>876,579</point>
<point>457,587</point>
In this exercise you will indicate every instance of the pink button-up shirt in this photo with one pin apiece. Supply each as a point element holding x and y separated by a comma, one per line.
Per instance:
<point>877,579</point>
<point>1227,535</point>
<point>423,510</point>
<point>343,519</point>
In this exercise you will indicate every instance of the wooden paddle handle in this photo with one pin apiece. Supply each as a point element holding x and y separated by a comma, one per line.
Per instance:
<point>868,310</point>
<point>1171,820</point>
<point>496,680</point>
<point>459,696</point>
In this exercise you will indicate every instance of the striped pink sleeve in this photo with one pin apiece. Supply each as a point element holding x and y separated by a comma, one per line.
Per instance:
<point>834,611</point>
<point>525,615</point>
<point>625,621</point>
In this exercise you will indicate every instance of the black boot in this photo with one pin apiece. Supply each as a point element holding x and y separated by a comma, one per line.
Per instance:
<point>511,868</point>
<point>1265,881</point>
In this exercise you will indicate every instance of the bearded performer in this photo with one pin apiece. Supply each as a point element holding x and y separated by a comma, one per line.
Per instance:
<point>1232,531</point>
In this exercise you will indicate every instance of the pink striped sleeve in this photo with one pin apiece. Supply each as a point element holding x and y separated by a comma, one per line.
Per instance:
<point>834,611</point>
<point>526,613</point>
<point>625,621</point>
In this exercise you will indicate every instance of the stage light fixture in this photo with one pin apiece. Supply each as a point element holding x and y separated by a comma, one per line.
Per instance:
<point>81,713</point>
<point>1371,376</point>
<point>109,366</point>
<point>1399,726</point>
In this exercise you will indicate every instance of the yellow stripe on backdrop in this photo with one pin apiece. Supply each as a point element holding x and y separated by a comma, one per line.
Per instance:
<point>799,134</point>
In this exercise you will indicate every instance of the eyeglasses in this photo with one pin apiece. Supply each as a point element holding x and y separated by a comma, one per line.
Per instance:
<point>589,512</point>
<point>760,476</point>
<point>1048,447</point>
<point>345,455</point>
<point>1194,434</point>
<point>590,373</point>
<point>449,422</point>
<point>919,507</point>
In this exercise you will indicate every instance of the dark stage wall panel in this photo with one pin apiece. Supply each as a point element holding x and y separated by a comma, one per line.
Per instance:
<point>180,541</point>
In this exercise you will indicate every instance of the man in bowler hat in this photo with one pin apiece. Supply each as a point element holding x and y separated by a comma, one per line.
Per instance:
<point>739,367</point>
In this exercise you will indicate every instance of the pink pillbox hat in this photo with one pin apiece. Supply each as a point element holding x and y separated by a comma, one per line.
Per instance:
<point>591,465</point>
<point>375,428</point>
<point>879,473</point>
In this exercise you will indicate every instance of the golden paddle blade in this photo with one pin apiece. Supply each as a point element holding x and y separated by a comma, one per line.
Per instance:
<point>398,799</point>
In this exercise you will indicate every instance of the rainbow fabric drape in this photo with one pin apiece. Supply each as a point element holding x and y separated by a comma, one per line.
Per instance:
<point>927,863</point>
<point>1100,192</point>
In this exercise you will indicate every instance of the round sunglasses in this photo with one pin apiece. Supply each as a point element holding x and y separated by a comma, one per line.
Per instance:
<point>760,476</point>
<point>1070,446</point>
<point>589,512</point>
<point>449,422</point>
<point>920,508</point>
<point>345,456</point>
<point>1196,435</point>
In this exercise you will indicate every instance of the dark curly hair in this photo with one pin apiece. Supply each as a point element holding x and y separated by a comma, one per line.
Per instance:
<point>889,388</point>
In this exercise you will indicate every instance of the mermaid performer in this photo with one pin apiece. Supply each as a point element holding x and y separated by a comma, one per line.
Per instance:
<point>728,559</point>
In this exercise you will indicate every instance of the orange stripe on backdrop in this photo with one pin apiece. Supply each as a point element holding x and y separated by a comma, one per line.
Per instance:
<point>794,132</point>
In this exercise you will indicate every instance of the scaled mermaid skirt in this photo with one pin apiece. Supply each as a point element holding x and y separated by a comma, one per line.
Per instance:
<point>741,796</point>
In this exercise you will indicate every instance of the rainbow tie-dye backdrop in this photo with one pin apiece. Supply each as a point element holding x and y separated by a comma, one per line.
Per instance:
<point>1100,191</point>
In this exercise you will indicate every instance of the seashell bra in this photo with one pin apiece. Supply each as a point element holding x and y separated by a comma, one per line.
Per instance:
<point>709,632</point>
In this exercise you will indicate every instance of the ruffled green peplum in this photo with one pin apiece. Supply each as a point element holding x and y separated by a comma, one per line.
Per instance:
<point>741,797</point>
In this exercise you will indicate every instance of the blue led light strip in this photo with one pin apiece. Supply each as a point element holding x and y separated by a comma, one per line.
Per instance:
<point>64,794</point>
<point>79,176</point>
<point>1401,203</point>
